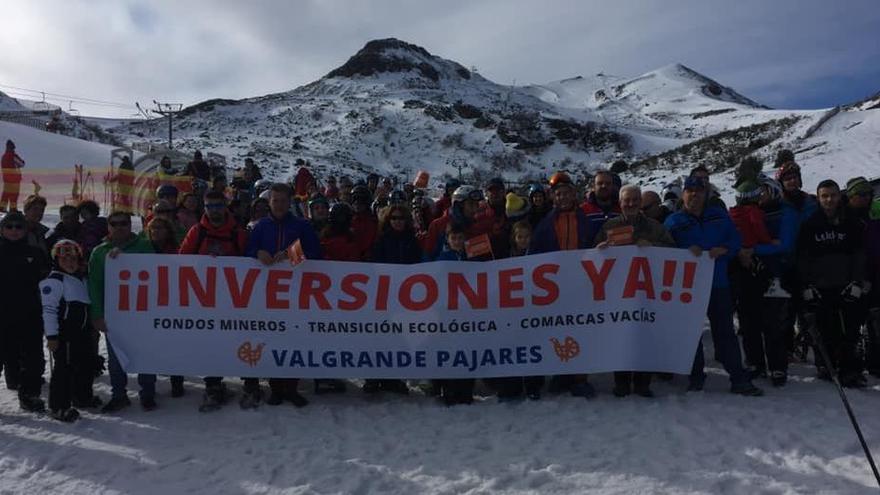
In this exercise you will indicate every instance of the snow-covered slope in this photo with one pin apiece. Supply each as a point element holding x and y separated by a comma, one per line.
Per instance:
<point>50,159</point>
<point>796,440</point>
<point>10,104</point>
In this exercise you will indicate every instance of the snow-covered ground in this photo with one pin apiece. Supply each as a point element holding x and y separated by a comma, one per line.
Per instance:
<point>793,440</point>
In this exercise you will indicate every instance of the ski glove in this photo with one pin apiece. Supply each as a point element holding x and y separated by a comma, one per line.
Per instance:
<point>811,295</point>
<point>852,292</point>
<point>758,267</point>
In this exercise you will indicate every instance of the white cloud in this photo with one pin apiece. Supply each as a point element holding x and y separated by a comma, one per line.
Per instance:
<point>194,50</point>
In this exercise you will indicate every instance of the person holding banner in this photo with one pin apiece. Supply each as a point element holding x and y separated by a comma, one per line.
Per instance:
<point>700,227</point>
<point>364,224</point>
<point>397,244</point>
<point>337,244</point>
<point>565,228</point>
<point>632,227</point>
<point>119,240</point>
<point>217,234</point>
<point>268,243</point>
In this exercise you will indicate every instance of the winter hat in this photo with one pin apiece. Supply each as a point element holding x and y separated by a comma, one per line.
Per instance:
<point>748,191</point>
<point>516,207</point>
<point>13,216</point>
<point>784,156</point>
<point>495,183</point>
<point>694,183</point>
<point>857,186</point>
<point>748,170</point>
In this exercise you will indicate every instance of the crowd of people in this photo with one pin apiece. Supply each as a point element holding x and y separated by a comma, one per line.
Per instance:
<point>784,258</point>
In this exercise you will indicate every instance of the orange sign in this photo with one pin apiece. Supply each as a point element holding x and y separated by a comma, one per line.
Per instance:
<point>478,246</point>
<point>621,236</point>
<point>421,181</point>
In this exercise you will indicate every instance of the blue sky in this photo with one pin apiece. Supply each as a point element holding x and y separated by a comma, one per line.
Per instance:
<point>786,54</point>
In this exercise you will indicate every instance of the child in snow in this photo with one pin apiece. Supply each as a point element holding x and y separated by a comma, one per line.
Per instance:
<point>454,392</point>
<point>68,333</point>
<point>455,239</point>
<point>511,389</point>
<point>520,238</point>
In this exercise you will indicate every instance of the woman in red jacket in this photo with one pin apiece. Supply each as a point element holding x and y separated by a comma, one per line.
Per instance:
<point>337,244</point>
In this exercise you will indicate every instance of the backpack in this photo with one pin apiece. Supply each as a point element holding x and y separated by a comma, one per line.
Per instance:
<point>232,239</point>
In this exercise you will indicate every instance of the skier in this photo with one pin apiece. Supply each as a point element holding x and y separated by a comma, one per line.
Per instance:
<point>831,266</point>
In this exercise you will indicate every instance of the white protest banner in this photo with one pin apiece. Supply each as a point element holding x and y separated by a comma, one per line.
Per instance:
<point>622,308</point>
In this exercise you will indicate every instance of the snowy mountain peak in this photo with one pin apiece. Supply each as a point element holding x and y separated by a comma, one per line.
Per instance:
<point>395,56</point>
<point>681,76</point>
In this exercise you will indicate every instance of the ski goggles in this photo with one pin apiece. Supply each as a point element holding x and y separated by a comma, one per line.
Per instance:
<point>66,250</point>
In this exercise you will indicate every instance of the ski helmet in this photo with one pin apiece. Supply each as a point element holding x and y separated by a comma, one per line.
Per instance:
<point>396,197</point>
<point>262,185</point>
<point>452,185</point>
<point>536,188</point>
<point>318,199</point>
<point>360,193</point>
<point>466,192</point>
<point>66,247</point>
<point>340,215</point>
<point>166,191</point>
<point>560,179</point>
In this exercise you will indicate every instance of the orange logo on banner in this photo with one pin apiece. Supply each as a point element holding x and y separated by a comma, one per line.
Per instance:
<point>478,246</point>
<point>621,236</point>
<point>250,355</point>
<point>295,253</point>
<point>567,350</point>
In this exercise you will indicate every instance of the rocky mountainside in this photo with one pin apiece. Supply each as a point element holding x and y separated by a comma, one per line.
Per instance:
<point>395,108</point>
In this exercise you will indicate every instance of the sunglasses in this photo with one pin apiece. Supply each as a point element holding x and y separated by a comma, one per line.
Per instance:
<point>120,224</point>
<point>215,206</point>
<point>475,195</point>
<point>14,226</point>
<point>398,218</point>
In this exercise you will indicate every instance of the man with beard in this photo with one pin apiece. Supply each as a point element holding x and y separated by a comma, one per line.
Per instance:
<point>601,202</point>
<point>565,228</point>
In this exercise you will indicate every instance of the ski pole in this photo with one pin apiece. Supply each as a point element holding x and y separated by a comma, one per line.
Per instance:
<point>817,340</point>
